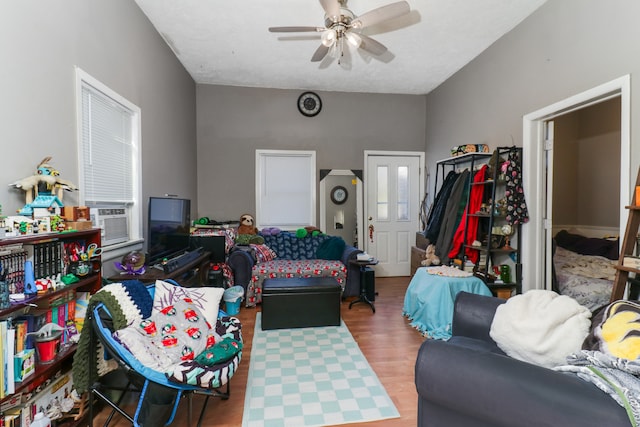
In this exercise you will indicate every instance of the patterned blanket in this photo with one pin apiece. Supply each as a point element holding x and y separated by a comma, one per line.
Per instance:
<point>286,268</point>
<point>620,378</point>
<point>127,302</point>
<point>610,358</point>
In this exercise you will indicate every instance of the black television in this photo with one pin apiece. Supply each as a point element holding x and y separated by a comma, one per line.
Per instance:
<point>169,225</point>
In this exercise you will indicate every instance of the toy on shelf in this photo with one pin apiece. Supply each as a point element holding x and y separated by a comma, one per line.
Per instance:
<point>43,190</point>
<point>132,263</point>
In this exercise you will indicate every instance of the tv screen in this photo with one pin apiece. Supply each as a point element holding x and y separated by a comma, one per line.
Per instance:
<point>169,224</point>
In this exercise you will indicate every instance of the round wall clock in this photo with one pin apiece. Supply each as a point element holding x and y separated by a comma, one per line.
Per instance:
<point>339,194</point>
<point>309,104</point>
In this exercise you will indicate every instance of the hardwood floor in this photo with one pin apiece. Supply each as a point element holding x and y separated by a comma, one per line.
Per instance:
<point>385,338</point>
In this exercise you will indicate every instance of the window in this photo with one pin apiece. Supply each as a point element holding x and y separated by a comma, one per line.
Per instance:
<point>108,150</point>
<point>285,189</point>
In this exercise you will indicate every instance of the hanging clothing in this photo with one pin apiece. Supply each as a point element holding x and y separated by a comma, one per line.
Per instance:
<point>440,203</point>
<point>455,208</point>
<point>475,201</point>
<point>517,212</point>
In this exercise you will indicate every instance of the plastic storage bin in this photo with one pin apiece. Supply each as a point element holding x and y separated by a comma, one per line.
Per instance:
<point>232,298</point>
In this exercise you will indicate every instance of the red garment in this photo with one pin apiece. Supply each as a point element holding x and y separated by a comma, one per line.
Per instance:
<point>475,201</point>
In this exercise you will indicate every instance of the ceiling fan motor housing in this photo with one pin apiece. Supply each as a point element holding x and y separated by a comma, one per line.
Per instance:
<point>343,22</point>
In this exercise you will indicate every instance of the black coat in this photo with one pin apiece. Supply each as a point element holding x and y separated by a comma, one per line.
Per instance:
<point>439,206</point>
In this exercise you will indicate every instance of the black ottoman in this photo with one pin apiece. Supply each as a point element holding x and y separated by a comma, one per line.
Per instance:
<point>300,303</point>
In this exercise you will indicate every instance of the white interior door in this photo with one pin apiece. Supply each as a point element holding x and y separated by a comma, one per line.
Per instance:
<point>393,189</point>
<point>548,220</point>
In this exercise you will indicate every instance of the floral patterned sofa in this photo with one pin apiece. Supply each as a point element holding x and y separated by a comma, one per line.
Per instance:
<point>286,255</point>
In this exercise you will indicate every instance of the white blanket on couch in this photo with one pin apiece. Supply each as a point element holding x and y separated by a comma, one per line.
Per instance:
<point>540,327</point>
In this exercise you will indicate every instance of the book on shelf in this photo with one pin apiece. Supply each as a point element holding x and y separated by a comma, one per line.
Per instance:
<point>81,306</point>
<point>12,260</point>
<point>12,419</point>
<point>21,334</point>
<point>3,366</point>
<point>9,359</point>
<point>24,364</point>
<point>46,257</point>
<point>35,319</point>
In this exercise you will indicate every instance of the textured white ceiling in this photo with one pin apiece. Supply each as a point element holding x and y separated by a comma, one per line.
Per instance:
<point>227,42</point>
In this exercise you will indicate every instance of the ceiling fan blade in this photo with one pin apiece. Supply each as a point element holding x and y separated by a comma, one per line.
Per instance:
<point>295,29</point>
<point>380,14</point>
<point>372,46</point>
<point>331,8</point>
<point>320,53</point>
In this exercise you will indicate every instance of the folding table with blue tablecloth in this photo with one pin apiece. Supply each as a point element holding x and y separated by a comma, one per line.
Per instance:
<point>428,302</point>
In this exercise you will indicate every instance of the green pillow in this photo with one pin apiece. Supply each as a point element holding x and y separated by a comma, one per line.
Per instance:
<point>219,352</point>
<point>332,248</point>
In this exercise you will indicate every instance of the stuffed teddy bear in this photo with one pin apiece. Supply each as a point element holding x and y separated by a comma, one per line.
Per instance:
<point>247,232</point>
<point>430,257</point>
<point>247,225</point>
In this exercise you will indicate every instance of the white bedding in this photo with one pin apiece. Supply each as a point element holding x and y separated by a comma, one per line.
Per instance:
<point>586,278</point>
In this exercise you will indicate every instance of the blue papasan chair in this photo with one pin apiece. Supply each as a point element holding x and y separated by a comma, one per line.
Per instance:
<point>160,393</point>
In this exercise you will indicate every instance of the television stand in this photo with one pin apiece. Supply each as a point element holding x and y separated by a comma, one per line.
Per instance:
<point>188,274</point>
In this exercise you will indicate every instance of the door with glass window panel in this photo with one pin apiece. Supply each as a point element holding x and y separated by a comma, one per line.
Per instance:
<point>393,200</point>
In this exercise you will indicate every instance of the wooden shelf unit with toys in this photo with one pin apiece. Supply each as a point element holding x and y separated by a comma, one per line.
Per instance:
<point>49,379</point>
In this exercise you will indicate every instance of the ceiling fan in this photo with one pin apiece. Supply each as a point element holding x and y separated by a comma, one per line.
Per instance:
<point>342,24</point>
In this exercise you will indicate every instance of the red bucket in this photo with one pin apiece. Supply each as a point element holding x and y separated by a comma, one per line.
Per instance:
<point>47,347</point>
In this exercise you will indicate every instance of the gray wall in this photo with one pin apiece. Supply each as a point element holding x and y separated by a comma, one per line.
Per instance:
<point>41,43</point>
<point>586,166</point>
<point>562,49</point>
<point>233,122</point>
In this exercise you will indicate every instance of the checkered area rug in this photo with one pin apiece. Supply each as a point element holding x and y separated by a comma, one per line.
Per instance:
<point>309,377</point>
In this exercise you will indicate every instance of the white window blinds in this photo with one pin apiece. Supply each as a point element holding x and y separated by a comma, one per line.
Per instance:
<point>285,188</point>
<point>108,148</point>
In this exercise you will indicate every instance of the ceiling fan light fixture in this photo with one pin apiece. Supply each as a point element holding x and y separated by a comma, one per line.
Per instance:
<point>354,39</point>
<point>329,37</point>
<point>336,50</point>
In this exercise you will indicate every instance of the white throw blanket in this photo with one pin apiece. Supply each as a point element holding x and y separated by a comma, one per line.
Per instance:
<point>540,327</point>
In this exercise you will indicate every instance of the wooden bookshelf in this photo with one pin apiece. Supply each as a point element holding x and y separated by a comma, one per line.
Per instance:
<point>47,372</point>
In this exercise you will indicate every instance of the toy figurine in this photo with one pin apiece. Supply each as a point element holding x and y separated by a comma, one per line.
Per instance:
<point>45,179</point>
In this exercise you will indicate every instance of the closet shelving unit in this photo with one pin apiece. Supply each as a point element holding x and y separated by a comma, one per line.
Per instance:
<point>490,221</point>
<point>489,233</point>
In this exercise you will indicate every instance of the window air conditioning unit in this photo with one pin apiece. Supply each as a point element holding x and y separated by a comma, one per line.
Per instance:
<point>114,222</point>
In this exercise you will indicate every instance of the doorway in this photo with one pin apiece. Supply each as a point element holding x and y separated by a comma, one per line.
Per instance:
<point>392,208</point>
<point>583,174</point>
<point>341,204</point>
<point>538,173</point>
